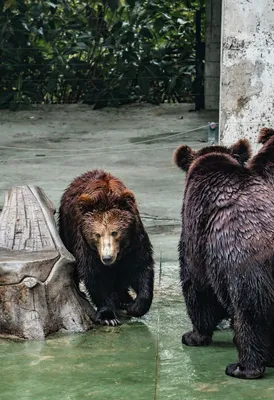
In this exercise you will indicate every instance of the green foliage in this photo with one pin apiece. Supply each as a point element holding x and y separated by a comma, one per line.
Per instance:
<point>106,52</point>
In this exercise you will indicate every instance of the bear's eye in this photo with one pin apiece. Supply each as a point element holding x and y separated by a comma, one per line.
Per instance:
<point>97,235</point>
<point>114,234</point>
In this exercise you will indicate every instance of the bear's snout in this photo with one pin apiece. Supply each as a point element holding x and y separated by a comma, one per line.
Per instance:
<point>108,250</point>
<point>107,260</point>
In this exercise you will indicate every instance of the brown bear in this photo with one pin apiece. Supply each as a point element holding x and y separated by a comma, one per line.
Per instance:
<point>226,248</point>
<point>100,225</point>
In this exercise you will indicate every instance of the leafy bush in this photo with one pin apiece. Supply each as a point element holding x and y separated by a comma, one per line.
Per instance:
<point>106,52</point>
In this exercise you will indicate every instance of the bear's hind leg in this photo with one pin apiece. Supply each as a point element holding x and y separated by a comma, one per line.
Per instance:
<point>252,342</point>
<point>270,360</point>
<point>252,299</point>
<point>205,312</point>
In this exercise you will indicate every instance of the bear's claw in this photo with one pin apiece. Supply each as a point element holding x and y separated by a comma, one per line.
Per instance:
<point>107,317</point>
<point>109,322</point>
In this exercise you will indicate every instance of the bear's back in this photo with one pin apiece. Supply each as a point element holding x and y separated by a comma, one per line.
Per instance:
<point>226,209</point>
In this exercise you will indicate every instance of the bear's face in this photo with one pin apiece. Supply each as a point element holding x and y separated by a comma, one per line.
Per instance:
<point>108,232</point>
<point>108,220</point>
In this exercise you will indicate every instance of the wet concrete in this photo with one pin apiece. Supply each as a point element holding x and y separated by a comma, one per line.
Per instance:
<point>143,359</point>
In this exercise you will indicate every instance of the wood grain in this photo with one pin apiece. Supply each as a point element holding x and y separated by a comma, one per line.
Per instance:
<point>38,295</point>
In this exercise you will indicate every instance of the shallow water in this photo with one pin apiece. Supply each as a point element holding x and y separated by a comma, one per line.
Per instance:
<point>141,360</point>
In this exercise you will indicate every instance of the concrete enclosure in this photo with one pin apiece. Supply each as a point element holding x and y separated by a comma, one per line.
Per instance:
<point>247,69</point>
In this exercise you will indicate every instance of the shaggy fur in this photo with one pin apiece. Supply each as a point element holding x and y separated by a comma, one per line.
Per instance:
<point>96,206</point>
<point>226,248</point>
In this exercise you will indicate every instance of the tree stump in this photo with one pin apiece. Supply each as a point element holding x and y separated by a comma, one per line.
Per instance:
<point>38,295</point>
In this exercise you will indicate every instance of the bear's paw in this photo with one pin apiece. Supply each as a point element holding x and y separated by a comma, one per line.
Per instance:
<point>237,371</point>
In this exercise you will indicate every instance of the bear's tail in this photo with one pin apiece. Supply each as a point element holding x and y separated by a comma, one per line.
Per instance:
<point>265,134</point>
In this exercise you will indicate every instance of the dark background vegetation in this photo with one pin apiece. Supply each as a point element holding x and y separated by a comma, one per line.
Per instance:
<point>107,52</point>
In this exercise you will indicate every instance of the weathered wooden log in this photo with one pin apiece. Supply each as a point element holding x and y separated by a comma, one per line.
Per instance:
<point>38,295</point>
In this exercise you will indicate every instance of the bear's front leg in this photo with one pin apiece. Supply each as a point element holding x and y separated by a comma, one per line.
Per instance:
<point>105,299</point>
<point>143,286</point>
<point>125,300</point>
<point>205,312</point>
<point>106,310</point>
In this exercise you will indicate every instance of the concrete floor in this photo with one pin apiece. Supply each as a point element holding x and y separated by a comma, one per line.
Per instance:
<point>143,359</point>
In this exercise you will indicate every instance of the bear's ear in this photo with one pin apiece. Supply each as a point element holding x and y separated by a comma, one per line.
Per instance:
<point>183,157</point>
<point>265,134</point>
<point>241,150</point>
<point>86,202</point>
<point>127,200</point>
<point>263,161</point>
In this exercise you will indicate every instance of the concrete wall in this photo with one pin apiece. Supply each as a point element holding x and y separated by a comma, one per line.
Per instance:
<point>212,54</point>
<point>247,69</point>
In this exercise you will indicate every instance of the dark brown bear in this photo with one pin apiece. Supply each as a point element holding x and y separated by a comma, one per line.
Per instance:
<point>100,225</point>
<point>226,248</point>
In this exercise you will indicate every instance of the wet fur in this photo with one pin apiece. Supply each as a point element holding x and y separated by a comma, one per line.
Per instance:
<point>226,248</point>
<point>98,193</point>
